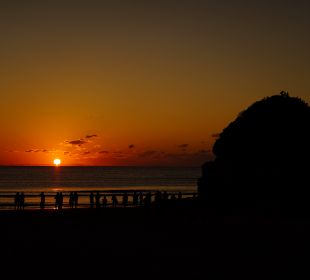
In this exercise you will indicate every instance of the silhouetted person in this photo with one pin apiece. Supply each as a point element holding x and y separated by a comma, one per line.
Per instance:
<point>135,199</point>
<point>104,201</point>
<point>71,199</point>
<point>75,199</point>
<point>97,200</point>
<point>158,198</point>
<point>141,199</point>
<point>125,199</point>
<point>172,197</point>
<point>42,200</point>
<point>165,196</point>
<point>179,195</point>
<point>91,200</point>
<point>17,201</point>
<point>147,200</point>
<point>114,200</point>
<point>60,200</point>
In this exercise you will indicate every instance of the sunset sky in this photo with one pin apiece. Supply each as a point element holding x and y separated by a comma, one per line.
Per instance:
<point>140,82</point>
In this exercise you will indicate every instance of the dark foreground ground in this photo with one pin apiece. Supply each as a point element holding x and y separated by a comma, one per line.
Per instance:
<point>185,241</point>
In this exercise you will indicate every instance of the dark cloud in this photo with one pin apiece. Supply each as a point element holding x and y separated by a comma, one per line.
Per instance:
<point>37,151</point>
<point>77,142</point>
<point>86,153</point>
<point>183,146</point>
<point>103,152</point>
<point>91,136</point>
<point>65,153</point>
<point>131,146</point>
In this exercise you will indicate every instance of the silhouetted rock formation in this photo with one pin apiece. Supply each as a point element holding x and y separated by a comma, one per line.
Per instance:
<point>263,155</point>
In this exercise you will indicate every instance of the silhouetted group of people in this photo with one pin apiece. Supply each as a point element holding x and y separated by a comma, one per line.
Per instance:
<point>97,201</point>
<point>19,201</point>
<point>73,200</point>
<point>58,200</point>
<point>138,199</point>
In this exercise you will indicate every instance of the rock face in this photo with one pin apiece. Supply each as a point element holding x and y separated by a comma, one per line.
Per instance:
<point>263,154</point>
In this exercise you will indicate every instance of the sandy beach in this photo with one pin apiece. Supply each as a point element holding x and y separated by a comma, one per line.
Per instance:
<point>181,241</point>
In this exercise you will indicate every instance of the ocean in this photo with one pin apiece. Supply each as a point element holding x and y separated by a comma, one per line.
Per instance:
<point>33,180</point>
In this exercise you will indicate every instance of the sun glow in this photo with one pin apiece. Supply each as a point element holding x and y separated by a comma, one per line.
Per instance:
<point>57,161</point>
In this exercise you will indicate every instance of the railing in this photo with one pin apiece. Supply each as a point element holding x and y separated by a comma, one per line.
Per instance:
<point>88,199</point>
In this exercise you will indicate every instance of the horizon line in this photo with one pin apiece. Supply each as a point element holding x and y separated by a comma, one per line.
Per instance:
<point>49,165</point>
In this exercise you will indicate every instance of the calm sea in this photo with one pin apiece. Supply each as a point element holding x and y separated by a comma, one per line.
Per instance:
<point>52,179</point>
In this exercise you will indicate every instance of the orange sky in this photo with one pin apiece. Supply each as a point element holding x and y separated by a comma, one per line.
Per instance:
<point>153,80</point>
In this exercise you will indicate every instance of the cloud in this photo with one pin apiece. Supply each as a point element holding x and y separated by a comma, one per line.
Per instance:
<point>131,146</point>
<point>37,151</point>
<point>77,142</point>
<point>86,153</point>
<point>183,146</point>
<point>91,136</point>
<point>103,152</point>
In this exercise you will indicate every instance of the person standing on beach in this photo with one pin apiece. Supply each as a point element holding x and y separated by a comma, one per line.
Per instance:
<point>91,200</point>
<point>179,195</point>
<point>60,201</point>
<point>104,201</point>
<point>125,199</point>
<point>56,197</point>
<point>158,197</point>
<point>42,201</point>
<point>71,198</point>
<point>148,200</point>
<point>141,198</point>
<point>165,196</point>
<point>75,199</point>
<point>17,201</point>
<point>114,200</point>
<point>135,199</point>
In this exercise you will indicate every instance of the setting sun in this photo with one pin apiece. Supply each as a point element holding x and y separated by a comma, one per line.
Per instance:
<point>57,161</point>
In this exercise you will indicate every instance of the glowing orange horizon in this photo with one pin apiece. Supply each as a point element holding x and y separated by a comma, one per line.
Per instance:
<point>108,87</point>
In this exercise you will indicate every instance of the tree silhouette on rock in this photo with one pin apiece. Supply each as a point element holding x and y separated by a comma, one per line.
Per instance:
<point>262,155</point>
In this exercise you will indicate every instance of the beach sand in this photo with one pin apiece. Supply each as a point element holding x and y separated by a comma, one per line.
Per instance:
<point>185,241</point>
